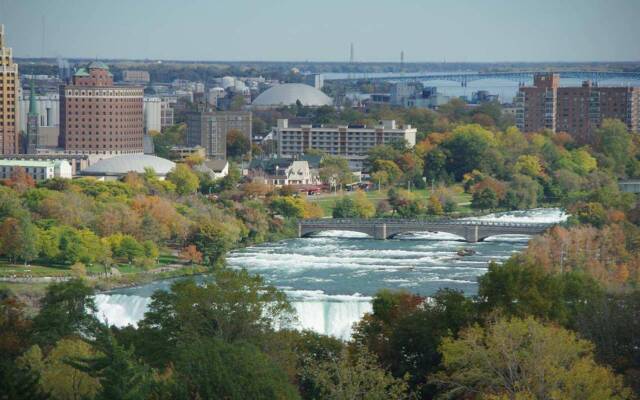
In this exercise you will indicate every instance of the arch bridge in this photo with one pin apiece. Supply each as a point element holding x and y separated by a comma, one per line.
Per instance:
<point>472,231</point>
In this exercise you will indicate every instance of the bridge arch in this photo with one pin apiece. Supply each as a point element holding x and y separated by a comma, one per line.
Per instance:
<point>451,235</point>
<point>314,232</point>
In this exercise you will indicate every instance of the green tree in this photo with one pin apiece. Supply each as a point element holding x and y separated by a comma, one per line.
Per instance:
<point>185,179</point>
<point>238,144</point>
<point>485,199</point>
<point>522,357</point>
<point>614,141</point>
<point>355,376</point>
<point>58,377</point>
<point>121,377</point>
<point>335,170</point>
<point>209,368</point>
<point>67,309</point>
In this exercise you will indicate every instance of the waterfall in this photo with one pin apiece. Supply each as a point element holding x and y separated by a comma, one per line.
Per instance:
<point>328,317</point>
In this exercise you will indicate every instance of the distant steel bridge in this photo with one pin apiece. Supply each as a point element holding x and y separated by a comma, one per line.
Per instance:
<point>522,78</point>
<point>384,228</point>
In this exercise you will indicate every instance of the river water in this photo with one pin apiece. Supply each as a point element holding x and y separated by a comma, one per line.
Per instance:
<point>331,277</point>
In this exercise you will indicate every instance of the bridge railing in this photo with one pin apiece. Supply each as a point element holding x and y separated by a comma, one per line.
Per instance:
<point>336,222</point>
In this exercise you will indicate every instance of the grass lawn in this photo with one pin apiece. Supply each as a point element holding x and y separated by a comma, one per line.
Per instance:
<point>20,270</point>
<point>326,201</point>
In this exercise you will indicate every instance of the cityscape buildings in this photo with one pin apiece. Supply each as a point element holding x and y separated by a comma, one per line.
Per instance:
<point>9,103</point>
<point>349,141</point>
<point>209,129</point>
<point>98,117</point>
<point>575,110</point>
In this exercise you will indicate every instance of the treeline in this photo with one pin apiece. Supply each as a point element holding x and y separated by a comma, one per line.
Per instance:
<point>528,334</point>
<point>131,221</point>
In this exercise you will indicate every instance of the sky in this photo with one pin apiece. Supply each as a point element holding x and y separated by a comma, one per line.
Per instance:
<point>322,30</point>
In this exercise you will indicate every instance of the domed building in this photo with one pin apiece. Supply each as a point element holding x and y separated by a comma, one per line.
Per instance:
<point>115,167</point>
<point>289,94</point>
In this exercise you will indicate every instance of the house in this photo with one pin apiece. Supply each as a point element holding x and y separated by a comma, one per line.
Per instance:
<point>281,172</point>
<point>216,169</point>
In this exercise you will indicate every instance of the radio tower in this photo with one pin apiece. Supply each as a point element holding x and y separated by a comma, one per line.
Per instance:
<point>401,60</point>
<point>351,58</point>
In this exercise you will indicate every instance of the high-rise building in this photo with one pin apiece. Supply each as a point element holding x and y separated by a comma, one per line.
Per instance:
<point>349,141</point>
<point>575,110</point>
<point>33,124</point>
<point>98,117</point>
<point>9,100</point>
<point>209,129</point>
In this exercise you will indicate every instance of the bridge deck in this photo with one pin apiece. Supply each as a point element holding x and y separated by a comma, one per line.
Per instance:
<point>471,230</point>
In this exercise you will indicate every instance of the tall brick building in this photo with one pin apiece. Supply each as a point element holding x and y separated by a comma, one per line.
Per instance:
<point>98,117</point>
<point>575,110</point>
<point>9,100</point>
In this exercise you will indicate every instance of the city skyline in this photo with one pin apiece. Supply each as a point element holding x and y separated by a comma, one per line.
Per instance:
<point>426,31</point>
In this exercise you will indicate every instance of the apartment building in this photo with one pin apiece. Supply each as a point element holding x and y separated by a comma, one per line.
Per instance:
<point>38,170</point>
<point>575,110</point>
<point>352,141</point>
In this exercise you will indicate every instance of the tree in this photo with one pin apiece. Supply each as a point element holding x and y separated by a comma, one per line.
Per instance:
<point>434,207</point>
<point>209,368</point>
<point>191,254</point>
<point>121,377</point>
<point>528,165</point>
<point>390,168</point>
<point>19,239</point>
<point>215,238</point>
<point>468,150</point>
<point>485,199</point>
<point>58,377</point>
<point>356,206</point>
<point>234,306</point>
<point>520,287</point>
<point>20,180</point>
<point>184,178</point>
<point>355,376</point>
<point>522,357</point>
<point>238,144</point>
<point>67,309</point>
<point>335,170</point>
<point>288,206</point>
<point>404,332</point>
<point>614,141</point>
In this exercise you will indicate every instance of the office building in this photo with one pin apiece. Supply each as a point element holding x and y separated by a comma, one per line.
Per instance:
<point>414,95</point>
<point>351,142</point>
<point>9,104</point>
<point>39,170</point>
<point>139,77</point>
<point>575,110</point>
<point>98,117</point>
<point>209,129</point>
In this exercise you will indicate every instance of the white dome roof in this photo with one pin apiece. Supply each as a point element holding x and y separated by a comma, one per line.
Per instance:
<point>120,165</point>
<point>289,93</point>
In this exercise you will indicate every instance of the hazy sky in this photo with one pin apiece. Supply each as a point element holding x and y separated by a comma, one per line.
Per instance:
<point>321,30</point>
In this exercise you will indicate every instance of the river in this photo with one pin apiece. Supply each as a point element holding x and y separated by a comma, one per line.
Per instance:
<point>331,277</point>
